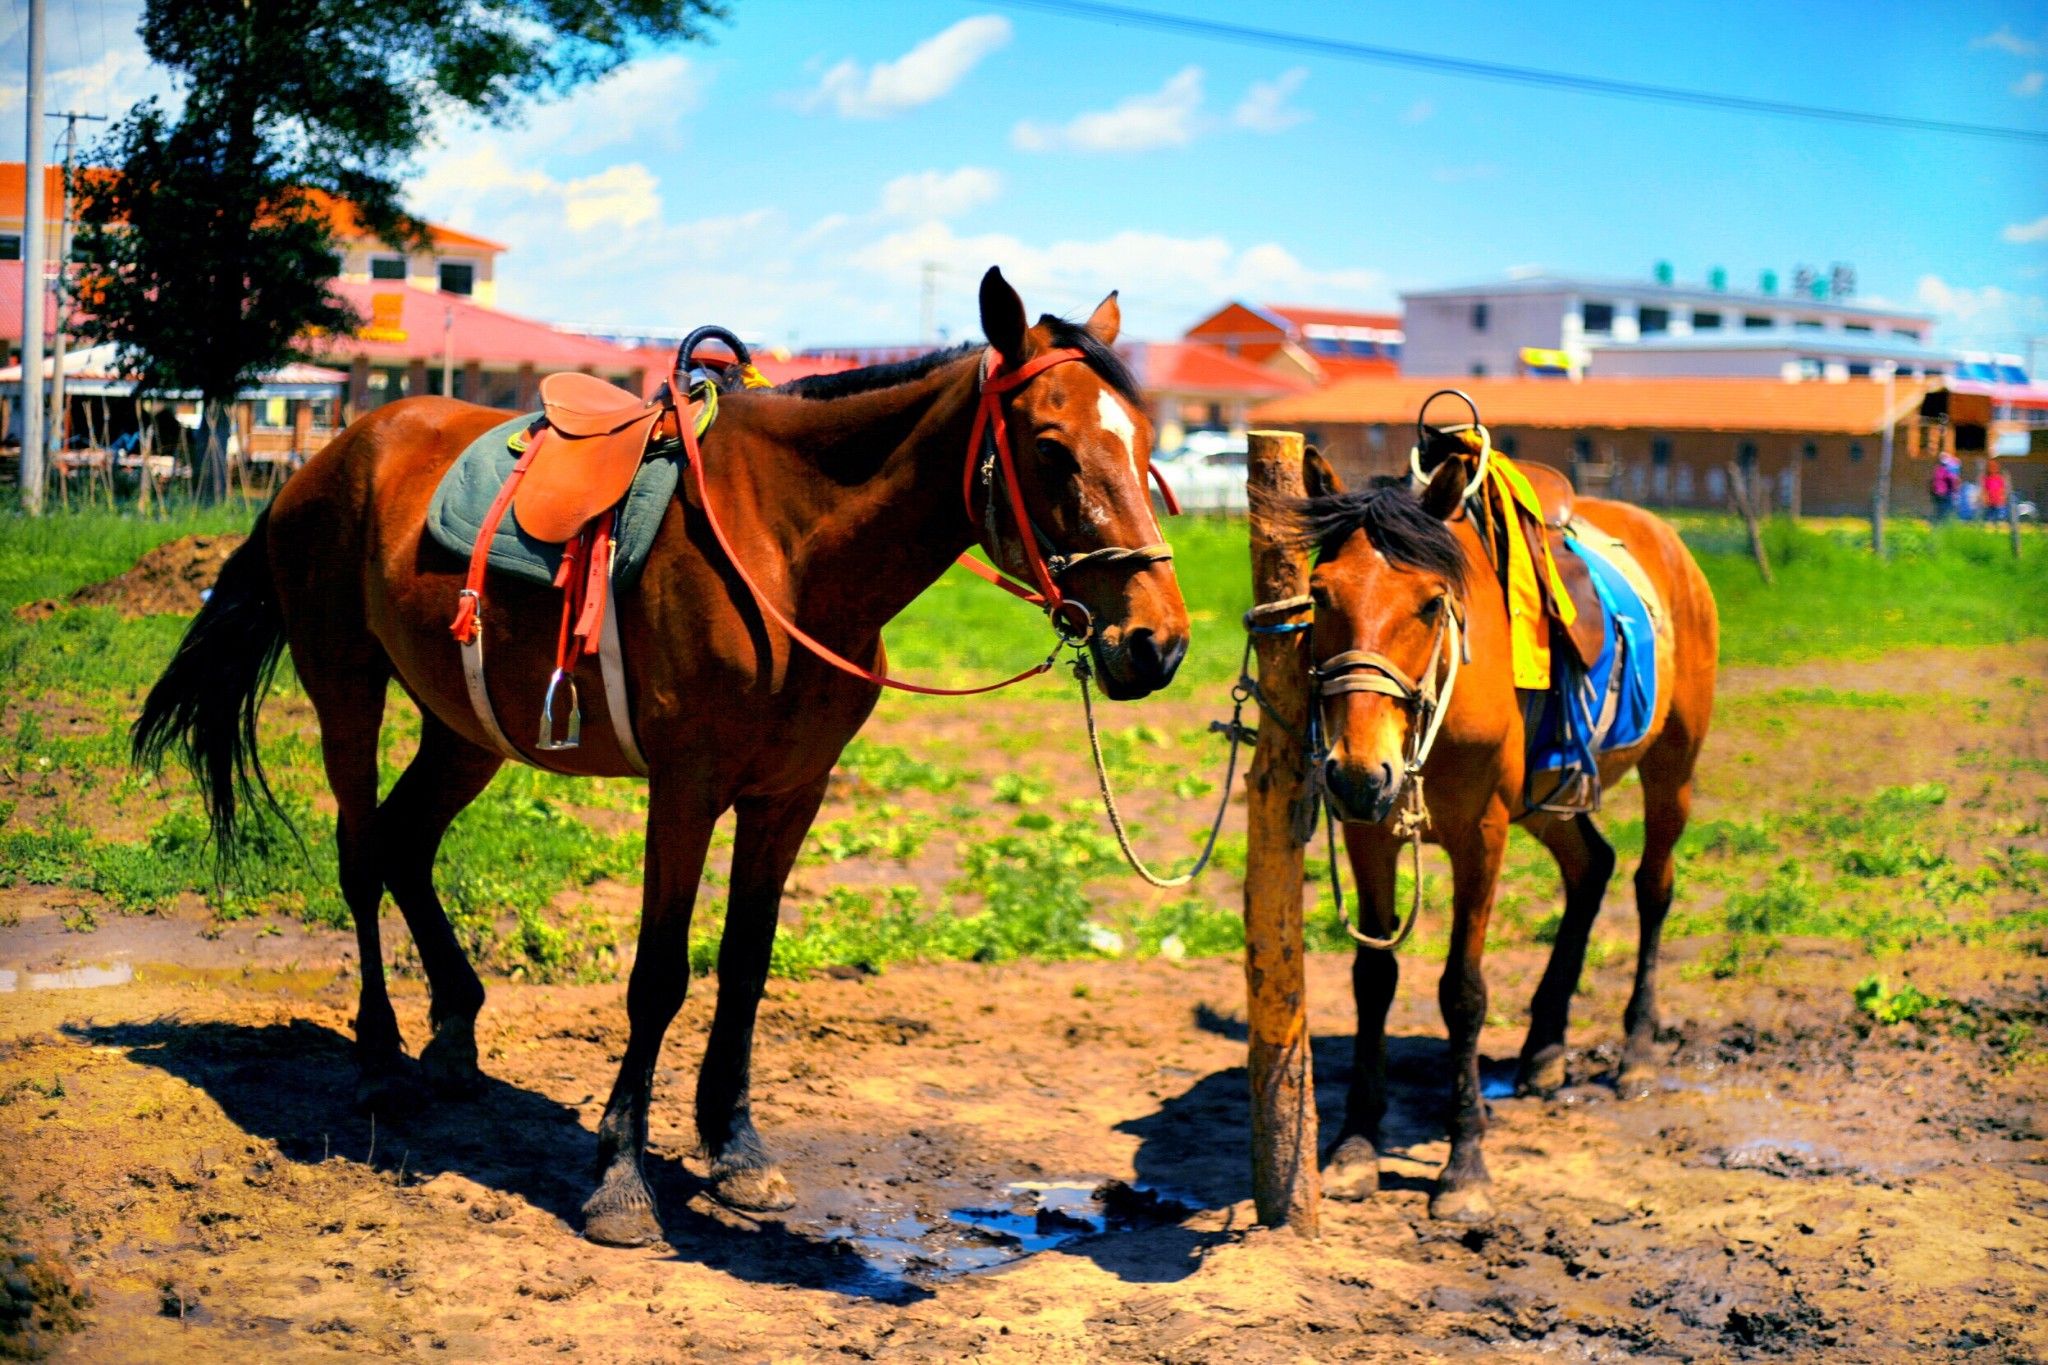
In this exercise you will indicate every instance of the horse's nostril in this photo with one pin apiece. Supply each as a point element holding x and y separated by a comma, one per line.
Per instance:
<point>1146,661</point>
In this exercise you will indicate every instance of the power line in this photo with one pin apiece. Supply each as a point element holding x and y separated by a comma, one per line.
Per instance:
<point>1515,75</point>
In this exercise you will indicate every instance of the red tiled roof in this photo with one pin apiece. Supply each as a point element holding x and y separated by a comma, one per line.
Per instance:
<point>775,369</point>
<point>1302,315</point>
<point>1851,408</point>
<point>1190,367</point>
<point>480,334</point>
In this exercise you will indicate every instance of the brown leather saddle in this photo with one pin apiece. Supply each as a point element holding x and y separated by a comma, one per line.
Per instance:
<point>1555,496</point>
<point>594,438</point>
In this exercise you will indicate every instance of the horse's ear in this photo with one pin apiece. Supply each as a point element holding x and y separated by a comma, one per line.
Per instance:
<point>1317,476</point>
<point>1002,316</point>
<point>1106,321</point>
<point>1446,489</point>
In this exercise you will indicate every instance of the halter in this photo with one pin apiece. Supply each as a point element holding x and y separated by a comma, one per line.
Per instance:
<point>1071,620</point>
<point>1365,670</point>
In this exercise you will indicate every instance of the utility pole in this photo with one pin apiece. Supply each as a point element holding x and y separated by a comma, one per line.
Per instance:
<point>1881,498</point>
<point>60,412</point>
<point>928,305</point>
<point>32,438</point>
<point>448,354</point>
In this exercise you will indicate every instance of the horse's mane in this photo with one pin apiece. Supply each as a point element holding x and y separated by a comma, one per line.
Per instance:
<point>1393,519</point>
<point>868,378</point>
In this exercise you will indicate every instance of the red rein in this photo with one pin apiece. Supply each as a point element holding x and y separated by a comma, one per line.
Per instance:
<point>988,416</point>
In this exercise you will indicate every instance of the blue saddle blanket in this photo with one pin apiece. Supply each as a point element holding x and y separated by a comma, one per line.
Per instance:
<point>1589,711</point>
<point>456,515</point>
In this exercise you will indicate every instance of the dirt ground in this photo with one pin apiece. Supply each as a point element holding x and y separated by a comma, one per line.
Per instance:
<point>1048,1162</point>
<point>171,579</point>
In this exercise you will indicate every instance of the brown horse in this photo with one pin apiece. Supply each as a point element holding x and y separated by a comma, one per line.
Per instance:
<point>1392,567</point>
<point>843,492</point>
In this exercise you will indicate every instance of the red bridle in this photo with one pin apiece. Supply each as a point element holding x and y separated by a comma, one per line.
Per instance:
<point>988,421</point>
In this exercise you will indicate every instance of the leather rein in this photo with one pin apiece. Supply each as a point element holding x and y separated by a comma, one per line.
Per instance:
<point>1071,621</point>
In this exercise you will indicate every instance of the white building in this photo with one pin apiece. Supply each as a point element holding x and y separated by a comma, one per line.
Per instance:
<point>1643,328</point>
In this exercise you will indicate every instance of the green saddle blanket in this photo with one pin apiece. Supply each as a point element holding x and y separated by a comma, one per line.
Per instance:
<point>456,515</point>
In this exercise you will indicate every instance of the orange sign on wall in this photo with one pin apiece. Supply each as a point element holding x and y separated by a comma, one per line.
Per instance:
<point>387,318</point>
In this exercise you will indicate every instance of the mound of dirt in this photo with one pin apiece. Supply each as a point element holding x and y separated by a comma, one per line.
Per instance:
<point>172,580</point>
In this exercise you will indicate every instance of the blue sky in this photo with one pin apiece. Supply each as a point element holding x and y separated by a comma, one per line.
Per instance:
<point>793,178</point>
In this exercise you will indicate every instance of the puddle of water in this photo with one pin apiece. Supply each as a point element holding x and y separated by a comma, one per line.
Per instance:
<point>302,983</point>
<point>897,1249</point>
<point>70,978</point>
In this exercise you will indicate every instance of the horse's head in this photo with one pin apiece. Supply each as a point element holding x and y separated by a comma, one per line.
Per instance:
<point>1083,448</point>
<point>1388,568</point>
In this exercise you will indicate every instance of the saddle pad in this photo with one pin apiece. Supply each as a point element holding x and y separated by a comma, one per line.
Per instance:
<point>456,514</point>
<point>1593,710</point>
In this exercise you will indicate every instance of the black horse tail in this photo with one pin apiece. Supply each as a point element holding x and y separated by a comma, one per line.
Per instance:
<point>204,706</point>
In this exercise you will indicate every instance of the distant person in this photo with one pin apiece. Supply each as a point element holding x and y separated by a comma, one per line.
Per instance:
<point>1942,486</point>
<point>1996,493</point>
<point>1968,500</point>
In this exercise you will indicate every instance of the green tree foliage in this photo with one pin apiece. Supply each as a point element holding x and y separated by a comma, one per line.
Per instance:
<point>205,245</point>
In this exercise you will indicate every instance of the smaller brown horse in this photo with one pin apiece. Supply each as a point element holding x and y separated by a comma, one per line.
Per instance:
<point>1399,575</point>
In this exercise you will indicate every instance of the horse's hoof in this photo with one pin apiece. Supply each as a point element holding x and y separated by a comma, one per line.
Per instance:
<point>621,1212</point>
<point>386,1090</point>
<point>1543,1074</point>
<point>627,1227</point>
<point>448,1062</point>
<point>1353,1171</point>
<point>1465,1204</point>
<point>1637,1081</point>
<point>756,1189</point>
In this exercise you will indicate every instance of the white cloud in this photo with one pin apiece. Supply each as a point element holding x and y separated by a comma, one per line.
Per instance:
<point>483,186</point>
<point>1985,314</point>
<point>1419,112</point>
<point>2020,234</point>
<point>921,75</point>
<point>2029,85</point>
<point>940,194</point>
<point>1166,117</point>
<point>2005,40</point>
<point>1264,108</point>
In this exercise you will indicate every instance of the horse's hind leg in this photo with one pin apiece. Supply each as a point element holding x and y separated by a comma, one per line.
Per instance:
<point>445,775</point>
<point>1587,862</point>
<point>765,847</point>
<point>346,687</point>
<point>1667,805</point>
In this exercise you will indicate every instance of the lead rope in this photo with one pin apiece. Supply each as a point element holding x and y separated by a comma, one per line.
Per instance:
<point>1246,690</point>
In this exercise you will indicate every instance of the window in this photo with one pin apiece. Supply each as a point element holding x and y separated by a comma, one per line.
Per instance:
<point>1479,369</point>
<point>1478,317</point>
<point>1745,455</point>
<point>1807,325</point>
<point>387,267</point>
<point>1756,322</point>
<point>1863,327</point>
<point>1376,438</point>
<point>10,246</point>
<point>1810,450</point>
<point>1660,452</point>
<point>1859,369</point>
<point>1506,446</point>
<point>1653,320</point>
<point>1582,448</point>
<point>1599,317</point>
<point>458,277</point>
<point>1855,452</point>
<point>1703,321</point>
<point>1906,334</point>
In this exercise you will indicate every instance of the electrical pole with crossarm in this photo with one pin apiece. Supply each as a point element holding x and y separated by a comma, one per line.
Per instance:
<point>32,438</point>
<point>60,412</point>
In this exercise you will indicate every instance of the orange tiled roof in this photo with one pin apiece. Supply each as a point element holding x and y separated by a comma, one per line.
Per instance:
<point>341,214</point>
<point>1852,408</point>
<point>1302,315</point>
<point>1191,367</point>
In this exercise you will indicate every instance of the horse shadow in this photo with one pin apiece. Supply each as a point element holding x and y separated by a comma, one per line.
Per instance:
<point>294,1084</point>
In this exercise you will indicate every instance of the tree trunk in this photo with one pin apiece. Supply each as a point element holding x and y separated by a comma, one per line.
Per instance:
<point>210,469</point>
<point>1287,1184</point>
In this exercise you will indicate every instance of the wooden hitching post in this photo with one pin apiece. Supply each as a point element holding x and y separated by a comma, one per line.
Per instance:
<point>1287,1184</point>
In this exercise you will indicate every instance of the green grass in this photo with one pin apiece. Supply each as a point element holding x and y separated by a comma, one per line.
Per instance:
<point>1033,878</point>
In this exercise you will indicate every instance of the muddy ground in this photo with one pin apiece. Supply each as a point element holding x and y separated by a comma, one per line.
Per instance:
<point>1048,1162</point>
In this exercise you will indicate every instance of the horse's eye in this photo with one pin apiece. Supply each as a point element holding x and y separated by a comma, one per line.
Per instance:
<point>1056,454</point>
<point>1432,608</point>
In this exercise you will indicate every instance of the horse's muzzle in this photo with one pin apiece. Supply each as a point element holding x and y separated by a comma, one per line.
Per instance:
<point>1138,664</point>
<point>1362,794</point>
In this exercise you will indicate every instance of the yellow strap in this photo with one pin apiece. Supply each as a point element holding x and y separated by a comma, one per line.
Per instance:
<point>1504,469</point>
<point>752,378</point>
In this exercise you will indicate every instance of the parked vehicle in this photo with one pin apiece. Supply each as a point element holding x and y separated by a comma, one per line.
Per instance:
<point>1208,471</point>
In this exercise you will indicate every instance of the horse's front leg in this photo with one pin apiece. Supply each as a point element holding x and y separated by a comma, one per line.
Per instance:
<point>1352,1169</point>
<point>770,834</point>
<point>679,821</point>
<point>1475,867</point>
